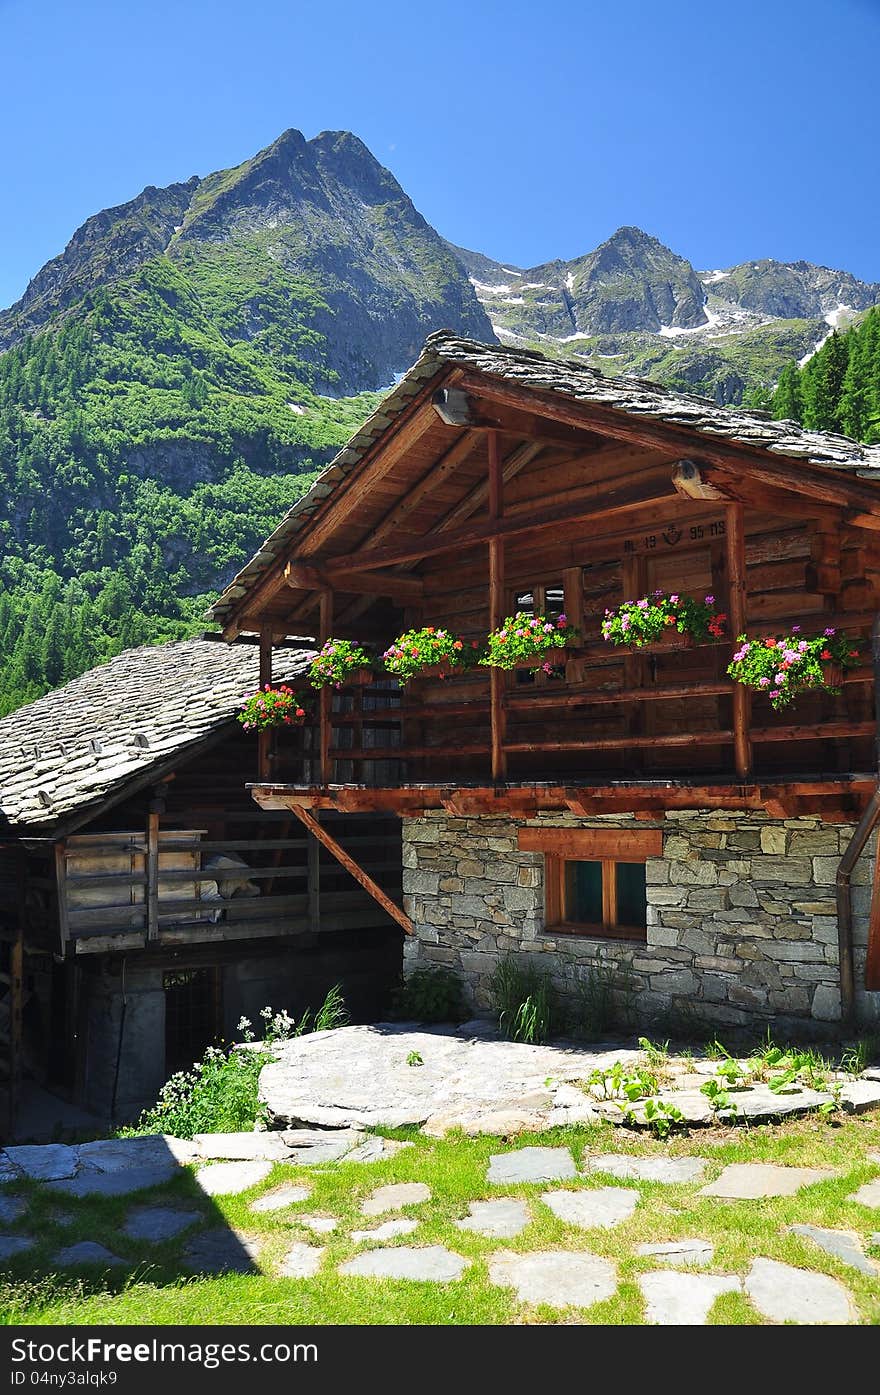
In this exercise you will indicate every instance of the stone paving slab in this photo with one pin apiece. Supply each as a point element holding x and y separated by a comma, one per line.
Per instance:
<point>264,1146</point>
<point>562,1278</point>
<point>857,1096</point>
<point>121,1182</point>
<point>844,1245</point>
<point>11,1208</point>
<point>302,1261</point>
<point>396,1194</point>
<point>358,1076</point>
<point>153,1150</point>
<point>749,1181</point>
<point>388,1230</point>
<point>496,1122</point>
<point>531,1165</point>
<point>588,1210</point>
<point>333,1149</point>
<point>423,1264</point>
<point>867,1195</point>
<point>679,1253</point>
<point>377,1150</point>
<point>43,1162</point>
<point>683,1300</point>
<point>672,1170</point>
<point>86,1252</point>
<point>158,1223</point>
<point>11,1245</point>
<point>223,1250</point>
<point>228,1178</point>
<point>785,1294</point>
<point>319,1225</point>
<point>499,1219</point>
<point>280,1197</point>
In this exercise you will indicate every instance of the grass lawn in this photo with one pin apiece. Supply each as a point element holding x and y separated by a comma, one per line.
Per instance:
<point>154,1288</point>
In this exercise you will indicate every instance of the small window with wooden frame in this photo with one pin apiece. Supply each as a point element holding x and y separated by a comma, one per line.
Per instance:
<point>546,600</point>
<point>594,879</point>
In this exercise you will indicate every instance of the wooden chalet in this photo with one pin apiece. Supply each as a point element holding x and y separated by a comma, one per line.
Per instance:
<point>147,901</point>
<point>636,808</point>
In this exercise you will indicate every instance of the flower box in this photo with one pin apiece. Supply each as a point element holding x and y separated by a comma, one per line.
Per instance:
<point>665,620</point>
<point>782,666</point>
<point>529,641</point>
<point>270,708</point>
<point>341,663</point>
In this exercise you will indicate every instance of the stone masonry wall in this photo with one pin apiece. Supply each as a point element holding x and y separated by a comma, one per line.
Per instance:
<point>742,921</point>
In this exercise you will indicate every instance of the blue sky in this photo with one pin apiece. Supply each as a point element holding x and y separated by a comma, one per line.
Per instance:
<point>522,130</point>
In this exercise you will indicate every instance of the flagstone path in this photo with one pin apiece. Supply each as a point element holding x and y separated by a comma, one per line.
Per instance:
<point>677,1283</point>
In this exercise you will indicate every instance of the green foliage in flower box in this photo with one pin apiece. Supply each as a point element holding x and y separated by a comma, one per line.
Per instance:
<point>272,707</point>
<point>648,620</point>
<point>336,662</point>
<point>784,665</point>
<point>523,637</point>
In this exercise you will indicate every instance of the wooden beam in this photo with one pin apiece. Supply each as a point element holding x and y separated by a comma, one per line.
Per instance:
<point>592,844</point>
<point>524,800</point>
<point>409,590</point>
<point>325,700</point>
<point>349,495</point>
<point>612,502</point>
<point>439,472</point>
<point>516,461</point>
<point>345,860</point>
<point>735,541</point>
<point>801,477</point>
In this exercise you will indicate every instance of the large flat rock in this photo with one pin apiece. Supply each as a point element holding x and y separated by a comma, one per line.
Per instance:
<point>588,1210</point>
<point>785,1294</point>
<point>356,1077</point>
<point>683,1300</point>
<point>750,1181</point>
<point>561,1278</point>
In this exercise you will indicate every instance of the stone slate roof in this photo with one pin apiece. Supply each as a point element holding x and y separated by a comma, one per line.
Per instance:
<point>81,743</point>
<point>634,396</point>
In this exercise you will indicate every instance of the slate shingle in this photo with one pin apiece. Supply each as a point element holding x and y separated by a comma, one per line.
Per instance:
<point>74,746</point>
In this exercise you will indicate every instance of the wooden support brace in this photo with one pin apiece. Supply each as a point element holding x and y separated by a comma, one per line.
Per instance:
<point>152,876</point>
<point>348,862</point>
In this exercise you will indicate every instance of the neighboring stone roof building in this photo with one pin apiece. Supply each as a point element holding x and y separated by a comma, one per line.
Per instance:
<point>122,723</point>
<point>633,396</point>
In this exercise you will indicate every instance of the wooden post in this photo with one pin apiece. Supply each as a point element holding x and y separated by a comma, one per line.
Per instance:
<point>265,739</point>
<point>496,608</point>
<point>872,964</point>
<point>61,882</point>
<point>16,997</point>
<point>634,575</point>
<point>348,862</point>
<point>313,854</point>
<point>736,586</point>
<point>153,875</point>
<point>326,698</point>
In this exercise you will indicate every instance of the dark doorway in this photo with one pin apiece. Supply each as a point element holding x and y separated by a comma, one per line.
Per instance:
<point>192,1015</point>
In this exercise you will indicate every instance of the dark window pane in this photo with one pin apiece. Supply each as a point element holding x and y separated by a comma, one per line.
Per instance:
<point>632,897</point>
<point>525,602</point>
<point>583,893</point>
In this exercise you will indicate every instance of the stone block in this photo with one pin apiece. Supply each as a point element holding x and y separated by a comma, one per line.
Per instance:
<point>675,981</point>
<point>826,1003</point>
<point>656,871</point>
<point>793,871</point>
<point>678,849</point>
<point>818,842</point>
<point>774,840</point>
<point>693,874</point>
<point>742,895</point>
